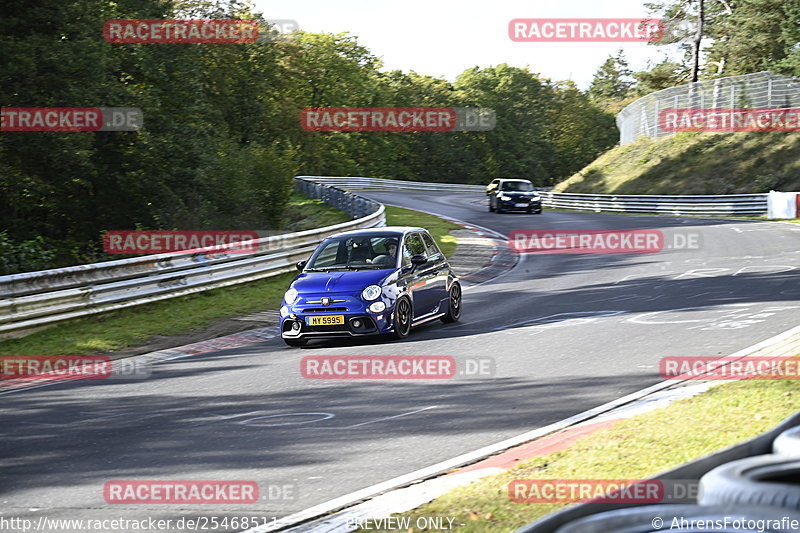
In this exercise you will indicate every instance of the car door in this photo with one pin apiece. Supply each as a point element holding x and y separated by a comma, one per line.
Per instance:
<point>423,294</point>
<point>439,271</point>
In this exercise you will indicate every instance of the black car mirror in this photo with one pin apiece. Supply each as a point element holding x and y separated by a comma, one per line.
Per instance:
<point>301,265</point>
<point>418,259</point>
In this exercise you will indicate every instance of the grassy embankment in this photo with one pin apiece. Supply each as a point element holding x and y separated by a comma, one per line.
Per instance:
<point>694,163</point>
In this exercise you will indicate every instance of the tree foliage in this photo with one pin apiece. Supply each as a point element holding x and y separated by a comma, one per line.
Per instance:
<point>222,137</point>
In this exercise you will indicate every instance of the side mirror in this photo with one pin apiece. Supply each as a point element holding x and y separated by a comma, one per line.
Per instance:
<point>418,260</point>
<point>301,265</point>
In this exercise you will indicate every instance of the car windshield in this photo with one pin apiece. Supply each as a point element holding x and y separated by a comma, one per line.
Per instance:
<point>362,252</point>
<point>517,186</point>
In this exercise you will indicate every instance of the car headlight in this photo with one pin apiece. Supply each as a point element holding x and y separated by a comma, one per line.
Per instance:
<point>377,307</point>
<point>535,198</point>
<point>284,311</point>
<point>290,296</point>
<point>505,198</point>
<point>371,292</point>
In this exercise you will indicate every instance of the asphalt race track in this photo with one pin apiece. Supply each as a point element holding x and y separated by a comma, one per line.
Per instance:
<point>567,332</point>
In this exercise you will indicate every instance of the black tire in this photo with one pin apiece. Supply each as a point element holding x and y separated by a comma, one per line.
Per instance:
<point>453,313</point>
<point>296,342</point>
<point>403,317</point>
<point>498,208</point>
<point>788,442</point>
<point>644,519</point>
<point>491,209</point>
<point>771,480</point>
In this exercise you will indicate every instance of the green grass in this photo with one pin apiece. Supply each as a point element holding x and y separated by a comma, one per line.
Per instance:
<point>438,227</point>
<point>304,213</point>
<point>694,163</point>
<point>129,327</point>
<point>635,448</point>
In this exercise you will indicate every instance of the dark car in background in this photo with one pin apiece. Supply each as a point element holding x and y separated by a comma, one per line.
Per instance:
<point>513,195</point>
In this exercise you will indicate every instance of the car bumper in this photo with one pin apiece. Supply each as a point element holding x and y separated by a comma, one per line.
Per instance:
<point>521,205</point>
<point>356,324</point>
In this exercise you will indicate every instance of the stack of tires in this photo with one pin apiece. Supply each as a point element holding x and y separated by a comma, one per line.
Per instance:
<point>755,494</point>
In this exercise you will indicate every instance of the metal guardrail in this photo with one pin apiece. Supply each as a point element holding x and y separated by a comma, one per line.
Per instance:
<point>356,183</point>
<point>33,300</point>
<point>680,205</point>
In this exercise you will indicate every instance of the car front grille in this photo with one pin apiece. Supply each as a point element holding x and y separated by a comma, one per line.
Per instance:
<point>324,309</point>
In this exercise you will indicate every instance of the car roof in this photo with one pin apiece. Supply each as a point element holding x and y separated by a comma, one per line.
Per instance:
<point>514,179</point>
<point>397,231</point>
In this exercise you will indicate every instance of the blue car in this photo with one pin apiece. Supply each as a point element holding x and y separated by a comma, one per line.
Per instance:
<point>378,281</point>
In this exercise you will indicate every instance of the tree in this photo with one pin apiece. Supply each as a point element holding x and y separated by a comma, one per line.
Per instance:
<point>579,130</point>
<point>662,75</point>
<point>613,81</point>
<point>690,23</point>
<point>755,35</point>
<point>522,100</point>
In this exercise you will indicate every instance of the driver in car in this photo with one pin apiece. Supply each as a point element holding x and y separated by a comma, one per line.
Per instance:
<point>391,247</point>
<point>389,258</point>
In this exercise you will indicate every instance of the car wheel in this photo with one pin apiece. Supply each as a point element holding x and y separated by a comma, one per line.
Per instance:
<point>453,305</point>
<point>498,208</point>
<point>770,480</point>
<point>491,207</point>
<point>530,210</point>
<point>403,315</point>
<point>296,342</point>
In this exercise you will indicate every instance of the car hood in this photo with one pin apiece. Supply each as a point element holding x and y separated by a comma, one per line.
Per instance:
<point>349,281</point>
<point>519,193</point>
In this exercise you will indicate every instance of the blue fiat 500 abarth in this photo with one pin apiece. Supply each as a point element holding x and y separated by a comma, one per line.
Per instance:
<point>379,281</point>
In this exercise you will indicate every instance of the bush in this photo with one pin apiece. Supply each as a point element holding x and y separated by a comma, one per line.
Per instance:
<point>25,256</point>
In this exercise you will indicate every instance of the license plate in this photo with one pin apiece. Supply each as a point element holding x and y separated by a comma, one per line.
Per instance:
<point>520,205</point>
<point>326,320</point>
